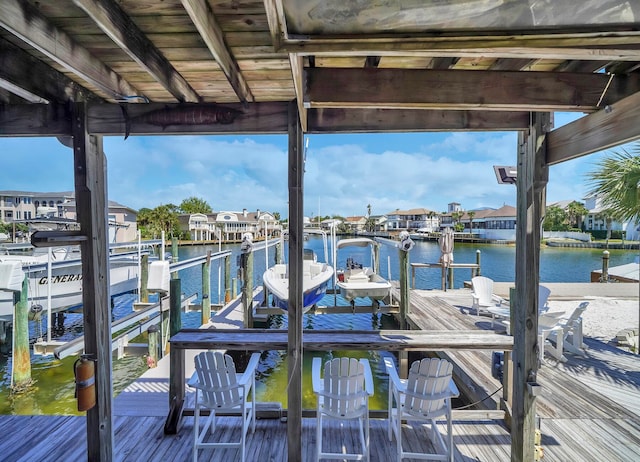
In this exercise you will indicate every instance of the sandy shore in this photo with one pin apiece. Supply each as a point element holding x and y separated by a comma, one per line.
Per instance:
<point>604,317</point>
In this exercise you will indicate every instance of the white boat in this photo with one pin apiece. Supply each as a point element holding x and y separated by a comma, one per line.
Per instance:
<point>357,280</point>
<point>60,282</point>
<point>315,280</point>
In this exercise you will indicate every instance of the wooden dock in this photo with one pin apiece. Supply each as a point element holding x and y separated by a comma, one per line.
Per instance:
<point>589,407</point>
<point>589,410</point>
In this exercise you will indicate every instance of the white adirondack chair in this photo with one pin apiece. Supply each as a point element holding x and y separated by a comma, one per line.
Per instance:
<point>343,393</point>
<point>220,389</point>
<point>424,397</point>
<point>564,331</point>
<point>483,296</point>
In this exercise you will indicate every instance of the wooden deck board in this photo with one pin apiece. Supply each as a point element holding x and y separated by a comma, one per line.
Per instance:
<point>141,438</point>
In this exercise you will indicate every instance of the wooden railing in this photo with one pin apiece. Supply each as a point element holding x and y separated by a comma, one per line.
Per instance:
<point>316,340</point>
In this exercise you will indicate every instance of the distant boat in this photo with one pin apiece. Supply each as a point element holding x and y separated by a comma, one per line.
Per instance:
<point>315,280</point>
<point>357,280</point>
<point>60,281</point>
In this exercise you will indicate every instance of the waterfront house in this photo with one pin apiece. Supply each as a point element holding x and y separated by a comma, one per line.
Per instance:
<point>229,226</point>
<point>57,210</point>
<point>488,223</point>
<point>598,219</point>
<point>412,220</point>
<point>355,223</point>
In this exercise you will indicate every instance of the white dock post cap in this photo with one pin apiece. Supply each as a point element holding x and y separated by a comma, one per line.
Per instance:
<point>11,276</point>
<point>158,276</point>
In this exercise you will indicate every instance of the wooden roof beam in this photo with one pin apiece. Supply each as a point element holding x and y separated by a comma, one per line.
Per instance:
<point>331,120</point>
<point>210,31</point>
<point>114,22</point>
<point>616,124</point>
<point>297,71</point>
<point>606,48</point>
<point>25,22</point>
<point>449,89</point>
<point>34,81</point>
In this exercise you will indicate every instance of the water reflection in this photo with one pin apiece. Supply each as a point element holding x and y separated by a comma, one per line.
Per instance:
<point>271,379</point>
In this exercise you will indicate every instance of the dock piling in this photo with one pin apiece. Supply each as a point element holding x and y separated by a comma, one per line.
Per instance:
<point>605,267</point>
<point>21,363</point>
<point>152,359</point>
<point>144,279</point>
<point>206,289</point>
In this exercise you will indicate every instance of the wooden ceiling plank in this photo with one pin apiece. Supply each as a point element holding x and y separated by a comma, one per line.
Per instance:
<point>580,66</point>
<point>25,22</point>
<point>614,125</point>
<point>511,64</point>
<point>114,22</point>
<point>33,80</point>
<point>211,33</point>
<point>329,120</point>
<point>448,89</point>
<point>443,62</point>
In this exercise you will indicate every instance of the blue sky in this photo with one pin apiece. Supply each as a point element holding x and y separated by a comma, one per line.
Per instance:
<point>344,173</point>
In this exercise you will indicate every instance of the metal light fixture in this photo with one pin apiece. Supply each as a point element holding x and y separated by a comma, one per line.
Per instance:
<point>505,174</point>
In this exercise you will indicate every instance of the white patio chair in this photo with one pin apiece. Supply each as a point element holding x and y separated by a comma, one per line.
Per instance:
<point>424,397</point>
<point>220,389</point>
<point>483,296</point>
<point>564,331</point>
<point>343,393</point>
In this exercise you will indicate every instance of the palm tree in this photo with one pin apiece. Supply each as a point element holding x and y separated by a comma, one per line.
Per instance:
<point>575,211</point>
<point>616,181</point>
<point>471,214</point>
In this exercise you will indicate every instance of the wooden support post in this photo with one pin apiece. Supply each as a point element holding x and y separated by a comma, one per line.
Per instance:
<point>176,362</point>
<point>403,258</point>
<point>234,287</point>
<point>278,253</point>
<point>531,182</point>
<point>21,363</point>
<point>294,313</point>
<point>154,346</point>
<point>206,290</point>
<point>144,279</point>
<point>450,277</point>
<point>174,255</point>
<point>90,175</point>
<point>246,260</point>
<point>376,259</point>
<point>443,283</point>
<point>478,259</point>
<point>227,279</point>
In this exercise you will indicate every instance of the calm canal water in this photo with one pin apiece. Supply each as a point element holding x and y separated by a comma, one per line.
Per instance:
<point>53,390</point>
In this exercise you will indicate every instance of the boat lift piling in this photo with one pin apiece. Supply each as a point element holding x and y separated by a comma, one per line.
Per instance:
<point>246,270</point>
<point>206,289</point>
<point>144,279</point>
<point>21,363</point>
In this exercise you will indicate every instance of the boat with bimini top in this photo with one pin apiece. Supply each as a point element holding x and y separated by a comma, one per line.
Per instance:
<point>357,280</point>
<point>315,278</point>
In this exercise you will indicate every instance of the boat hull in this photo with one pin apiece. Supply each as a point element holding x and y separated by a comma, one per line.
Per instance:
<point>314,288</point>
<point>66,285</point>
<point>377,288</point>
